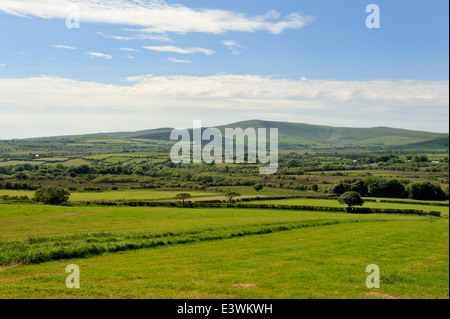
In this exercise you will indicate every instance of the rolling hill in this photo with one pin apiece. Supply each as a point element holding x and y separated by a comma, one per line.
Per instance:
<point>292,135</point>
<point>316,135</point>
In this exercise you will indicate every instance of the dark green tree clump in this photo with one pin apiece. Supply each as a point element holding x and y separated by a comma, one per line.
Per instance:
<point>52,195</point>
<point>426,191</point>
<point>391,188</point>
<point>258,187</point>
<point>351,199</point>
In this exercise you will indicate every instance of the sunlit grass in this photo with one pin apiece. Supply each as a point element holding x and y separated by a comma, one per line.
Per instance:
<point>319,262</point>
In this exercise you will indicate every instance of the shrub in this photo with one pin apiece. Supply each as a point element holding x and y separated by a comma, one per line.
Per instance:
<point>52,195</point>
<point>258,187</point>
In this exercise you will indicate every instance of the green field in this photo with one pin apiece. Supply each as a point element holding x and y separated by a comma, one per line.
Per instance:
<point>126,252</point>
<point>114,195</point>
<point>334,203</point>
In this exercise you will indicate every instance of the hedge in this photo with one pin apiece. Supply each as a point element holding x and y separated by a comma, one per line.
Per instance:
<point>284,207</point>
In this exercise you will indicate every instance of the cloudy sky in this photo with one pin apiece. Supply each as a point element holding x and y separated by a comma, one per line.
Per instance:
<point>141,64</point>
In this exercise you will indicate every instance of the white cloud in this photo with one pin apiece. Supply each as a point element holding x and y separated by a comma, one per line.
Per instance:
<point>128,50</point>
<point>36,106</point>
<point>99,55</point>
<point>173,49</point>
<point>157,16</point>
<point>178,61</point>
<point>232,46</point>
<point>137,36</point>
<point>60,46</point>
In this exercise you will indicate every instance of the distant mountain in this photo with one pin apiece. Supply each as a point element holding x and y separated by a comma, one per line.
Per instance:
<point>317,135</point>
<point>295,135</point>
<point>440,143</point>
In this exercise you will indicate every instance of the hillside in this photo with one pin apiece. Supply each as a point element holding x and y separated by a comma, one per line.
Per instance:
<point>316,135</point>
<point>299,135</point>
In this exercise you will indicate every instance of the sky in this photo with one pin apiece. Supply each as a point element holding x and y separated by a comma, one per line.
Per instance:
<point>142,64</point>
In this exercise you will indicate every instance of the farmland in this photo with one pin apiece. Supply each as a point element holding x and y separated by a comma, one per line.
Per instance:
<point>113,195</point>
<point>308,257</point>
<point>234,233</point>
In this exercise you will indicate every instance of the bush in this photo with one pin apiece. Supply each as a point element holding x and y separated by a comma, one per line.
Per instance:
<point>52,195</point>
<point>258,187</point>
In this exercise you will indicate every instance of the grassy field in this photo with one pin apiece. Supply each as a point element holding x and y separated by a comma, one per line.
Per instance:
<point>114,195</point>
<point>126,252</point>
<point>249,190</point>
<point>19,221</point>
<point>334,203</point>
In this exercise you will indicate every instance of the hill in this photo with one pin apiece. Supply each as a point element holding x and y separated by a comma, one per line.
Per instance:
<point>300,135</point>
<point>317,135</point>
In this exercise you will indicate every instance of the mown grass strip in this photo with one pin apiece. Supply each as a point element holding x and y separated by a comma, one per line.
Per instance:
<point>34,250</point>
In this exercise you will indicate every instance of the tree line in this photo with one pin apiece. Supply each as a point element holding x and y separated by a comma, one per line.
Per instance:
<point>392,188</point>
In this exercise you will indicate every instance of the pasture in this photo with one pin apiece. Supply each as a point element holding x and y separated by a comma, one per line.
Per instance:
<point>113,195</point>
<point>129,252</point>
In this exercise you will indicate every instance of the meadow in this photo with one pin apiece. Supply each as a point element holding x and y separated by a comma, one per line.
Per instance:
<point>444,210</point>
<point>128,252</point>
<point>113,195</point>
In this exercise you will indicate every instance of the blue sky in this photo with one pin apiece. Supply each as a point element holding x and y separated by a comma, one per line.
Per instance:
<point>155,63</point>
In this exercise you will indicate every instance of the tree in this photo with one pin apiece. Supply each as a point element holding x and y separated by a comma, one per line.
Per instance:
<point>258,187</point>
<point>420,159</point>
<point>52,195</point>
<point>351,199</point>
<point>230,195</point>
<point>315,187</point>
<point>377,187</point>
<point>183,196</point>
<point>359,187</point>
<point>396,189</point>
<point>426,191</point>
<point>340,188</point>
<point>293,163</point>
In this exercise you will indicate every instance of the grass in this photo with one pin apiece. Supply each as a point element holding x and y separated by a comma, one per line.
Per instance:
<point>315,262</point>
<point>12,193</point>
<point>334,203</point>
<point>128,252</point>
<point>132,195</point>
<point>76,162</point>
<point>9,163</point>
<point>115,195</point>
<point>249,190</point>
<point>34,250</point>
<point>18,222</point>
